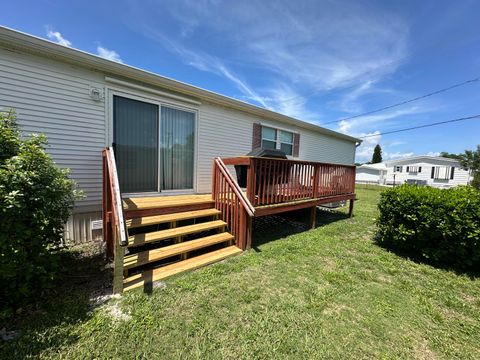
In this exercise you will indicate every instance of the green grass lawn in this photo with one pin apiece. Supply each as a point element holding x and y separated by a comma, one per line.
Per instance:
<point>326,293</point>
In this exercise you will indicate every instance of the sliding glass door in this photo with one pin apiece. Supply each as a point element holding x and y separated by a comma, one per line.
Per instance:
<point>177,139</point>
<point>154,146</point>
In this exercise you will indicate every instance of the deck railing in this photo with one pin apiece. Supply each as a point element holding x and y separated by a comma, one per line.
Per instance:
<point>113,220</point>
<point>274,181</point>
<point>236,210</point>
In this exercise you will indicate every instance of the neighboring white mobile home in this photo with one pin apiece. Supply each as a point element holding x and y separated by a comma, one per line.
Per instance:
<point>423,170</point>
<point>371,173</point>
<point>165,133</point>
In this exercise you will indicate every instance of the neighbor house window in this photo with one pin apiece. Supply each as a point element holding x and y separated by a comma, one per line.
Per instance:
<point>442,172</point>
<point>452,172</point>
<point>413,169</point>
<point>398,168</point>
<point>277,139</point>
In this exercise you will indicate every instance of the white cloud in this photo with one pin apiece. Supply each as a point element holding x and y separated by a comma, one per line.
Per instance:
<point>108,54</point>
<point>359,123</point>
<point>57,37</point>
<point>308,49</point>
<point>397,155</point>
<point>365,150</point>
<point>209,63</point>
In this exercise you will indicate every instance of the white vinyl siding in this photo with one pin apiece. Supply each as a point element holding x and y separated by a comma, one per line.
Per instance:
<point>53,98</point>
<point>225,133</point>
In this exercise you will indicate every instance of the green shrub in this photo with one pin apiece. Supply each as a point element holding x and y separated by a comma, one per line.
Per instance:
<point>442,226</point>
<point>36,199</point>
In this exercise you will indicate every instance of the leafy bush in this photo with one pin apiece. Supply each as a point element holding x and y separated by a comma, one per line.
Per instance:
<point>442,226</point>
<point>36,199</point>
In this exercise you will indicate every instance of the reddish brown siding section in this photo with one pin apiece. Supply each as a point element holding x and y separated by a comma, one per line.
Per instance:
<point>257,136</point>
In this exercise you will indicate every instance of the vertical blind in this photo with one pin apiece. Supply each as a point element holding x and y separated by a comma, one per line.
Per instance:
<point>177,140</point>
<point>136,144</point>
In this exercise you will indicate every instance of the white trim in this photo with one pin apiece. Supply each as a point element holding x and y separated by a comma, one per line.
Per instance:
<point>279,128</point>
<point>150,90</point>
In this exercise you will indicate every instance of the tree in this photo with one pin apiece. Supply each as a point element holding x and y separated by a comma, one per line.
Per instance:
<point>471,160</point>
<point>377,155</point>
<point>446,154</point>
<point>36,199</point>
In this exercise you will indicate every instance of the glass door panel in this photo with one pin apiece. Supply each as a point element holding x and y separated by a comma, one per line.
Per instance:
<point>135,125</point>
<point>177,148</point>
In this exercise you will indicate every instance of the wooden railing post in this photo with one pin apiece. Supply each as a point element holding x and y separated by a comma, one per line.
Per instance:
<point>316,178</point>
<point>251,175</point>
<point>249,231</point>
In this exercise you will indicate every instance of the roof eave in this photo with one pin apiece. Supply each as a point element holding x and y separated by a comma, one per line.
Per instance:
<point>22,41</point>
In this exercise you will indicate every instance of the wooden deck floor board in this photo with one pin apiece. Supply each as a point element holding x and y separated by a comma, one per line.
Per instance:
<point>145,257</point>
<point>150,202</point>
<point>160,219</point>
<point>141,239</point>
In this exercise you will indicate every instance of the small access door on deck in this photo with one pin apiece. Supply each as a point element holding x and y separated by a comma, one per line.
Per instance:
<point>154,146</point>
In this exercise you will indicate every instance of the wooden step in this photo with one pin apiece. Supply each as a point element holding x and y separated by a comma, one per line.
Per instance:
<point>141,239</point>
<point>145,257</point>
<point>161,219</point>
<point>178,267</point>
<point>153,202</point>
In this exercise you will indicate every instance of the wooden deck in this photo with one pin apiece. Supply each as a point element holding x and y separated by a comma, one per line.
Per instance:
<point>154,237</point>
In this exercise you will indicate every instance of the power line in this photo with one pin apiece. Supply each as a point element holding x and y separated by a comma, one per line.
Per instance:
<point>422,126</point>
<point>405,102</point>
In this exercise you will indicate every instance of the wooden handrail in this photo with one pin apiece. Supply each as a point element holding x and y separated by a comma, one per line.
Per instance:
<point>236,188</point>
<point>236,209</point>
<point>114,224</point>
<point>244,160</point>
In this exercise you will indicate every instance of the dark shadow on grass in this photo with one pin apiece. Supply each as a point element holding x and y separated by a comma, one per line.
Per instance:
<point>412,256</point>
<point>68,301</point>
<point>275,227</point>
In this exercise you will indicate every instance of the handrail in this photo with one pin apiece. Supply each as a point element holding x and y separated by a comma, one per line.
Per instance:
<point>243,160</point>
<point>235,208</point>
<point>115,197</point>
<point>236,188</point>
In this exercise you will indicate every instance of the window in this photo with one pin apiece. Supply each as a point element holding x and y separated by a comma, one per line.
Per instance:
<point>398,168</point>
<point>419,169</point>
<point>413,169</point>
<point>269,138</point>
<point>277,139</point>
<point>442,172</point>
<point>286,142</point>
<point>452,172</point>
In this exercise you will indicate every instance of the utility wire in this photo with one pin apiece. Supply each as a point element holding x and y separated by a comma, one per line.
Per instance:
<point>405,102</point>
<point>422,126</point>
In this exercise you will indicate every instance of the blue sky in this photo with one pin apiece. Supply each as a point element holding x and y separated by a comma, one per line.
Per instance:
<point>318,61</point>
